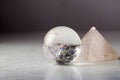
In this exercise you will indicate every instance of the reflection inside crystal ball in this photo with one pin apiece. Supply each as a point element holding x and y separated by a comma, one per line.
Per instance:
<point>66,54</point>
<point>62,44</point>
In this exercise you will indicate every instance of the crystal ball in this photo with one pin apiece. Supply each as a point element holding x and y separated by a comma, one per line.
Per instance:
<point>62,44</point>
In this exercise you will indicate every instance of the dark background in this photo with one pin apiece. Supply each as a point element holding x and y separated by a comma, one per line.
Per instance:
<point>41,15</point>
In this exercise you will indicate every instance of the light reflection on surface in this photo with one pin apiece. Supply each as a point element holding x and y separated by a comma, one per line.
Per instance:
<point>63,73</point>
<point>103,71</point>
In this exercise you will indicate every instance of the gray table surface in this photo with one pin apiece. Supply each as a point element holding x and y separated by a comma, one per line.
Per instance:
<point>22,58</point>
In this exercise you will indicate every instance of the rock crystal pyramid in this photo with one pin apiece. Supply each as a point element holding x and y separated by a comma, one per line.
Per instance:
<point>96,48</point>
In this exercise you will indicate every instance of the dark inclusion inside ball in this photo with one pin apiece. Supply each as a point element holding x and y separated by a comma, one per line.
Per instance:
<point>66,54</point>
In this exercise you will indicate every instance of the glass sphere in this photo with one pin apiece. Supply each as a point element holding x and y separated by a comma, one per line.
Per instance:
<point>62,44</point>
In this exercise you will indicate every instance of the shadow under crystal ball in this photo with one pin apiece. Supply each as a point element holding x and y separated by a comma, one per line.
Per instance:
<point>62,44</point>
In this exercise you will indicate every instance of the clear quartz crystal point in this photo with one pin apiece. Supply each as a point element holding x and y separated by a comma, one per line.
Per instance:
<point>62,44</point>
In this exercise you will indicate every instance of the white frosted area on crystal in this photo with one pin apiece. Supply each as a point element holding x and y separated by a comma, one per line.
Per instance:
<point>49,39</point>
<point>93,28</point>
<point>62,35</point>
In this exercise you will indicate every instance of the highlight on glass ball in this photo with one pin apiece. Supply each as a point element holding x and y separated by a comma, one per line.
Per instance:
<point>62,44</point>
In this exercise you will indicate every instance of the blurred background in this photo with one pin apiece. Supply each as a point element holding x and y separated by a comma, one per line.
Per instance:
<point>24,23</point>
<point>42,15</point>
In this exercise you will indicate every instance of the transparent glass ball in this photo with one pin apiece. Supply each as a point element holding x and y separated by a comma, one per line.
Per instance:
<point>62,44</point>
